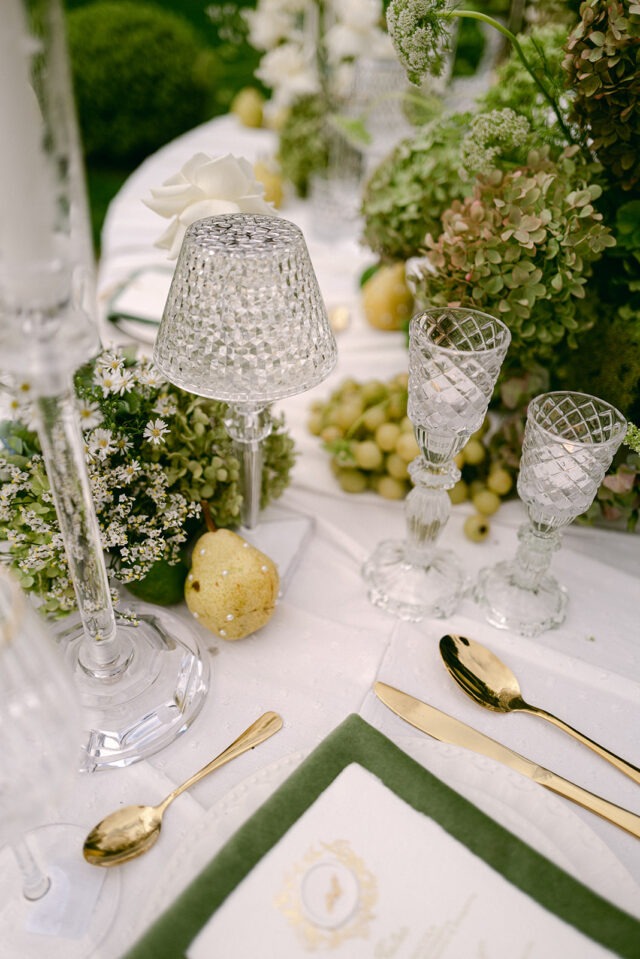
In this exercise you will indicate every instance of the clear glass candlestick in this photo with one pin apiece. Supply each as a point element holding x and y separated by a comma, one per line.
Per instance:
<point>455,356</point>
<point>141,683</point>
<point>569,442</point>
<point>52,903</point>
<point>245,323</point>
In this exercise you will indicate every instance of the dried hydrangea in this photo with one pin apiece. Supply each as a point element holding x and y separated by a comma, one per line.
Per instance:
<point>420,36</point>
<point>154,453</point>
<point>522,247</point>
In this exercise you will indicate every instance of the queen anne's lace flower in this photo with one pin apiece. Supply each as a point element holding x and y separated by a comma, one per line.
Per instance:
<point>420,36</point>
<point>206,186</point>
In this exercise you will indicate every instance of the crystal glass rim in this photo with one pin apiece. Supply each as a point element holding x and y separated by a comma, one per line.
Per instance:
<point>501,328</point>
<point>620,420</point>
<point>206,248</point>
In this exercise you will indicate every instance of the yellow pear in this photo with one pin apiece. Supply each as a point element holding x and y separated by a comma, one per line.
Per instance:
<point>232,587</point>
<point>247,106</point>
<point>386,299</point>
<point>271,180</point>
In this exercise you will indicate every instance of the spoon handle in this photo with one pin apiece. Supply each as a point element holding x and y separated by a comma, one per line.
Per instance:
<point>262,729</point>
<point>627,768</point>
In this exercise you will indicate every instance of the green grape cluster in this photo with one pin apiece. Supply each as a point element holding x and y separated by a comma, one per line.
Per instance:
<point>365,428</point>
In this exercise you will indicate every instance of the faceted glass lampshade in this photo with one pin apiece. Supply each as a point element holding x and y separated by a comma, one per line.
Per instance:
<point>245,321</point>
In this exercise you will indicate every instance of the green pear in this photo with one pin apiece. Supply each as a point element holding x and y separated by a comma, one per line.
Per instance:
<point>232,587</point>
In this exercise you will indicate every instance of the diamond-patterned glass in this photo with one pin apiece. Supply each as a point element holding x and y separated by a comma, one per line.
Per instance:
<point>455,355</point>
<point>245,321</point>
<point>569,442</point>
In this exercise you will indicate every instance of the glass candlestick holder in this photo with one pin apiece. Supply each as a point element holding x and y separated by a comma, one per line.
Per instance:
<point>245,323</point>
<point>455,356</point>
<point>569,442</point>
<point>141,681</point>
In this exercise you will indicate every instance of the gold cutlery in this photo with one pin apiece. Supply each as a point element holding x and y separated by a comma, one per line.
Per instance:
<point>490,683</point>
<point>440,726</point>
<point>130,831</point>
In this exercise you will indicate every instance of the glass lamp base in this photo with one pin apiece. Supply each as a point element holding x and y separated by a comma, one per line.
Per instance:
<point>152,701</point>
<point>75,913</point>
<point>511,606</point>
<point>412,591</point>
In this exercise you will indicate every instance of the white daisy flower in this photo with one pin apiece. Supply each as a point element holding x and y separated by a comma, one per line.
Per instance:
<point>155,431</point>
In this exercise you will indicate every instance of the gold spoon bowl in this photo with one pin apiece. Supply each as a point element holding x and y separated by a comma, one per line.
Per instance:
<point>490,683</point>
<point>130,831</point>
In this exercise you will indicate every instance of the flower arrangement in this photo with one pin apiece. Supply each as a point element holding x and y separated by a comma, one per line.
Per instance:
<point>528,207</point>
<point>155,455</point>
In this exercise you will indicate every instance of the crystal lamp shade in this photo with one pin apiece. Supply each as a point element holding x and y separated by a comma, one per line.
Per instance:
<point>245,321</point>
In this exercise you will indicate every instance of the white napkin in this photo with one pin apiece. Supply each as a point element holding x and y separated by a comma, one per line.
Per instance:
<point>362,874</point>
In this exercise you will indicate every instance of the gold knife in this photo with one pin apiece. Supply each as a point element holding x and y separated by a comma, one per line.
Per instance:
<point>435,723</point>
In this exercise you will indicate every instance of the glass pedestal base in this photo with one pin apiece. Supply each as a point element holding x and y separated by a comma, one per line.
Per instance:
<point>508,605</point>
<point>152,701</point>
<point>409,591</point>
<point>76,912</point>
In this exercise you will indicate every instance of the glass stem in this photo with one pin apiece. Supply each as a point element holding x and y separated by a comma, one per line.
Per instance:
<point>427,509</point>
<point>35,883</point>
<point>102,654</point>
<point>249,426</point>
<point>533,556</point>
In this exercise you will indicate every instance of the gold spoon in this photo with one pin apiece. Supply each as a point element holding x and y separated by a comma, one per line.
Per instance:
<point>490,683</point>
<point>129,832</point>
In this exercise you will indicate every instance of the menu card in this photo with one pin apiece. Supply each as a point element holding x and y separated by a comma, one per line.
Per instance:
<point>363,853</point>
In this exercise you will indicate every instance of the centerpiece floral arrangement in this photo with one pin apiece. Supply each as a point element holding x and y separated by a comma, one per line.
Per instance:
<point>528,207</point>
<point>159,461</point>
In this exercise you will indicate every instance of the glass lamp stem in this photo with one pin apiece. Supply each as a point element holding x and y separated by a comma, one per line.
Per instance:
<point>427,508</point>
<point>63,449</point>
<point>35,883</point>
<point>249,426</point>
<point>533,556</point>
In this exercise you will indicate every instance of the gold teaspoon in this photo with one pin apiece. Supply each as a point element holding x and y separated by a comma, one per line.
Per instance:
<point>490,683</point>
<point>130,831</point>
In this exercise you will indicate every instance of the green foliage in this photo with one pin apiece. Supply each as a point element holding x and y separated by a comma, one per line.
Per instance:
<point>303,148</point>
<point>522,247</point>
<point>602,68</point>
<point>606,361</point>
<point>141,74</point>
<point>412,187</point>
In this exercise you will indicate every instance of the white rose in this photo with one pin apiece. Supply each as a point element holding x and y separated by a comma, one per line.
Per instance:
<point>206,186</point>
<point>286,69</point>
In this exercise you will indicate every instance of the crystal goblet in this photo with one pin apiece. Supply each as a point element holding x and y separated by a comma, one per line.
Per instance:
<point>455,356</point>
<point>569,442</point>
<point>142,685</point>
<point>51,902</point>
<point>245,323</point>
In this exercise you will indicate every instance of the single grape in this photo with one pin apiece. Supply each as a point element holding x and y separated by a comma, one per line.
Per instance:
<point>352,480</point>
<point>407,447</point>
<point>374,417</point>
<point>499,481</point>
<point>486,502</point>
<point>368,455</point>
<point>387,436</point>
<point>476,527</point>
<point>474,452</point>
<point>391,488</point>
<point>459,493</point>
<point>396,467</point>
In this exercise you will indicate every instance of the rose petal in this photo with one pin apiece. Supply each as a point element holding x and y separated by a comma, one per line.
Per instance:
<point>222,177</point>
<point>170,201</point>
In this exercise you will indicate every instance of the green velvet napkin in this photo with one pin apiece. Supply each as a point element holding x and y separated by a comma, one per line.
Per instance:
<point>355,741</point>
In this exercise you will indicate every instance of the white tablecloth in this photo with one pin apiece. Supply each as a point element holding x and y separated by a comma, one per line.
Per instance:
<point>317,659</point>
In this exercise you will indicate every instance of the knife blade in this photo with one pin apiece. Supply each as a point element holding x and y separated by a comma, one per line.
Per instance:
<point>445,728</point>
